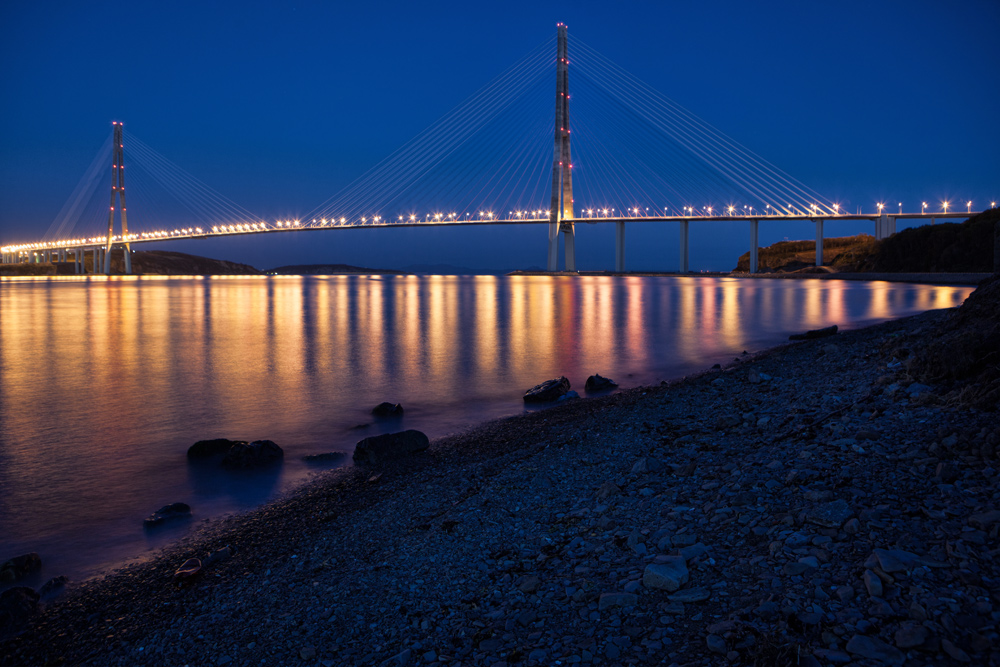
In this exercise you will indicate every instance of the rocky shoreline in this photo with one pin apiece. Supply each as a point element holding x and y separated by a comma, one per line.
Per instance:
<point>809,505</point>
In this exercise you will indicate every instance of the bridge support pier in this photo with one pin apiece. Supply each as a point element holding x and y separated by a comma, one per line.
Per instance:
<point>620,246</point>
<point>553,260</point>
<point>819,242</point>
<point>128,260</point>
<point>684,246</point>
<point>882,226</point>
<point>754,243</point>
<point>570,242</point>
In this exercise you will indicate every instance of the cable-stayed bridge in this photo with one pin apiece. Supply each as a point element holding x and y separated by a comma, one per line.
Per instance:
<point>640,157</point>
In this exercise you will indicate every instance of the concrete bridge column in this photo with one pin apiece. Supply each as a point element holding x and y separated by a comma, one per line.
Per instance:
<point>819,242</point>
<point>892,226</point>
<point>684,246</point>
<point>128,261</point>
<point>754,242</point>
<point>553,263</point>
<point>620,246</point>
<point>570,242</point>
<point>882,226</point>
<point>106,260</point>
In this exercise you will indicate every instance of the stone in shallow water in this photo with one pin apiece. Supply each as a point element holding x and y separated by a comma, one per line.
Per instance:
<point>547,391</point>
<point>252,454</point>
<point>386,409</point>
<point>167,513</point>
<point>830,515</point>
<point>599,383</point>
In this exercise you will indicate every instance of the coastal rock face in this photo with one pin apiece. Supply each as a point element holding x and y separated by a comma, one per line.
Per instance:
<point>206,448</point>
<point>547,391</point>
<point>389,446</point>
<point>965,349</point>
<point>387,409</point>
<point>167,513</point>
<point>599,383</point>
<point>19,567</point>
<point>254,454</point>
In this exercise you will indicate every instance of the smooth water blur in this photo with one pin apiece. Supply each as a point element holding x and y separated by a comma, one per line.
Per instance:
<point>105,383</point>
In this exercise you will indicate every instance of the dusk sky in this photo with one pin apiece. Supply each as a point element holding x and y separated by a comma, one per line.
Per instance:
<point>280,106</point>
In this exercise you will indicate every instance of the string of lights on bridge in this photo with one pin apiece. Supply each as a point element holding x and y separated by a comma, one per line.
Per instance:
<point>484,217</point>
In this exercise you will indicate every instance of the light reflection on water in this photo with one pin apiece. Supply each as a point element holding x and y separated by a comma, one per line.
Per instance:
<point>104,383</point>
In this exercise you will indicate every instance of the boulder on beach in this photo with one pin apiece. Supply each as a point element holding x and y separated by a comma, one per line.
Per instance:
<point>19,567</point>
<point>190,568</point>
<point>598,382</point>
<point>547,391</point>
<point>254,454</point>
<point>206,448</point>
<point>389,446</point>
<point>815,333</point>
<point>54,586</point>
<point>386,409</point>
<point>167,513</point>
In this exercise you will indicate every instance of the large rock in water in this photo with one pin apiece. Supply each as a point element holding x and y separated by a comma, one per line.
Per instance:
<point>389,446</point>
<point>167,513</point>
<point>19,567</point>
<point>252,454</point>
<point>206,448</point>
<point>599,383</point>
<point>387,409</point>
<point>547,391</point>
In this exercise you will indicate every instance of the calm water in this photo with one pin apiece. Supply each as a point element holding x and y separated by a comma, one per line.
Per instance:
<point>105,383</point>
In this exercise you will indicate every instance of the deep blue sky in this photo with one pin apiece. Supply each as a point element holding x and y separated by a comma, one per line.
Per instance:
<point>279,106</point>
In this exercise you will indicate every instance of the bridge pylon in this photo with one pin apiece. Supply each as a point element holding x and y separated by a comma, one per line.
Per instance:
<point>561,211</point>
<point>117,187</point>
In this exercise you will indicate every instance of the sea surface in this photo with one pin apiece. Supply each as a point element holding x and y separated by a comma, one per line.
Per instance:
<point>105,382</point>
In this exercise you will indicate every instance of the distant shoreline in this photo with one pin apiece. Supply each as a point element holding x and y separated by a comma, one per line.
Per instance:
<point>924,278</point>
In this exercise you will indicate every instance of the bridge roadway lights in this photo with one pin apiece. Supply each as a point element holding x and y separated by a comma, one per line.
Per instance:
<point>819,242</point>
<point>620,246</point>
<point>754,242</point>
<point>684,246</point>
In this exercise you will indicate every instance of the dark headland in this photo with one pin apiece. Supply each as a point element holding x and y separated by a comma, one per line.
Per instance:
<point>834,501</point>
